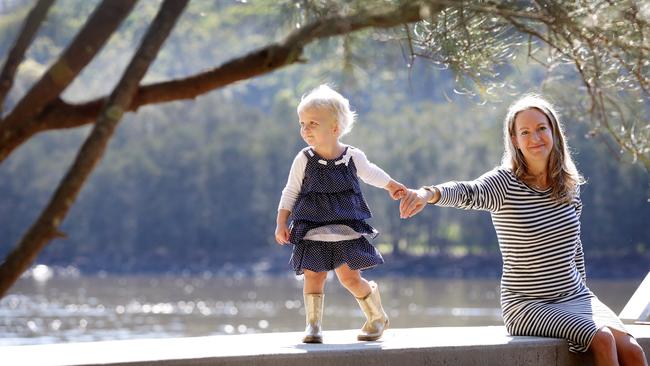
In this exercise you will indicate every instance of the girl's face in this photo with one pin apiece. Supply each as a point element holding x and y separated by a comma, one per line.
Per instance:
<point>318,127</point>
<point>533,136</point>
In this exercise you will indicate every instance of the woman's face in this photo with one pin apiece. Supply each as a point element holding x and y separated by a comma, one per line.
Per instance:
<point>533,136</point>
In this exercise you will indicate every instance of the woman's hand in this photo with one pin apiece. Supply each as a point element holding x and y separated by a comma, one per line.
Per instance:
<point>413,202</point>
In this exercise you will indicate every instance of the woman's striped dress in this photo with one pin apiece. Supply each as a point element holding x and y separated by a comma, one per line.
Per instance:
<point>543,289</point>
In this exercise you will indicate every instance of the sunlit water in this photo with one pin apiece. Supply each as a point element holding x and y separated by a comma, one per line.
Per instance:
<point>79,308</point>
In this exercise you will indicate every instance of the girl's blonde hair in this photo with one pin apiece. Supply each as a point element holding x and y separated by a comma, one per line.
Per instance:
<point>325,97</point>
<point>561,171</point>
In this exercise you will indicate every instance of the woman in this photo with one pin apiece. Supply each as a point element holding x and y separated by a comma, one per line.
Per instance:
<point>534,200</point>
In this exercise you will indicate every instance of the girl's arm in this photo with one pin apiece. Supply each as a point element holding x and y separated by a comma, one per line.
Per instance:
<point>294,182</point>
<point>375,176</point>
<point>288,198</point>
<point>281,227</point>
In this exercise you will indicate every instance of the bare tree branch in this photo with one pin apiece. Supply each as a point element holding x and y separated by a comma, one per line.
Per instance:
<point>47,225</point>
<point>17,53</point>
<point>259,62</point>
<point>495,9</point>
<point>98,28</point>
<point>569,36</point>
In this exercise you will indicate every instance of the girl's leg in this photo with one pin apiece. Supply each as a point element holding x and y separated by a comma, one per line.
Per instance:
<point>367,295</point>
<point>628,350</point>
<point>351,279</point>
<point>314,299</point>
<point>314,282</point>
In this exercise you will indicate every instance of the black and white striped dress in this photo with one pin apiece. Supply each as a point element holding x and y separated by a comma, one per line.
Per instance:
<point>543,285</point>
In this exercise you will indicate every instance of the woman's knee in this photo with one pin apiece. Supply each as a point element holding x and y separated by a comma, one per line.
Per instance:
<point>604,342</point>
<point>630,352</point>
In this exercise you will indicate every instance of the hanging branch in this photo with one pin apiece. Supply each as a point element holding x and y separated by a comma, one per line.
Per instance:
<point>47,225</point>
<point>17,53</point>
<point>94,34</point>
<point>60,114</point>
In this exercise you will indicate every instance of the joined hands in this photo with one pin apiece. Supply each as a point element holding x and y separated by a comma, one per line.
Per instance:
<point>413,201</point>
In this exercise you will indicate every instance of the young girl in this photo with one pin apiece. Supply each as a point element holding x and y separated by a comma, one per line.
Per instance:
<point>328,231</point>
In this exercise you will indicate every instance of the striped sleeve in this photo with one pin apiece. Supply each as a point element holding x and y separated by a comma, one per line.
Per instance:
<point>580,261</point>
<point>485,193</point>
<point>579,257</point>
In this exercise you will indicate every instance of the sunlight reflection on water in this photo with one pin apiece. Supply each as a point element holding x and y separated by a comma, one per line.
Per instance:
<point>79,308</point>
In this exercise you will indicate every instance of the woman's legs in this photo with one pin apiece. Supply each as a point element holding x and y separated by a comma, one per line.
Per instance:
<point>628,350</point>
<point>603,348</point>
<point>610,346</point>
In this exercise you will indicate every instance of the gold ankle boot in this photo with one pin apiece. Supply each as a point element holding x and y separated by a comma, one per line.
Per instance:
<point>314,315</point>
<point>377,320</point>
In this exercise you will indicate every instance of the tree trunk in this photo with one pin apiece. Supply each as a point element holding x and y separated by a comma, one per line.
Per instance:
<point>47,226</point>
<point>17,53</point>
<point>94,34</point>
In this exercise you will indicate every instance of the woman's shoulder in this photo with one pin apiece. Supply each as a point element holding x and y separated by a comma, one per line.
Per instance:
<point>501,172</point>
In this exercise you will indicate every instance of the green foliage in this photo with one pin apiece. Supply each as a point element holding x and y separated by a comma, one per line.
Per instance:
<point>195,184</point>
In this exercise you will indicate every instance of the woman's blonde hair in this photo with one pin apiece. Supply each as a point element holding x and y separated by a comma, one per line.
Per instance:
<point>562,173</point>
<point>325,97</point>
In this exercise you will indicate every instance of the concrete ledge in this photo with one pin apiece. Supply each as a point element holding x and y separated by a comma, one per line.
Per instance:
<point>413,346</point>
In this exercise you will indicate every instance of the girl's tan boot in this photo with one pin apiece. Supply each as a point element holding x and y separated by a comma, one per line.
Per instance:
<point>314,315</point>
<point>377,320</point>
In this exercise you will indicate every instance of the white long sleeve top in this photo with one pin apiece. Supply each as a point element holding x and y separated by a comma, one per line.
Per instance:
<point>367,171</point>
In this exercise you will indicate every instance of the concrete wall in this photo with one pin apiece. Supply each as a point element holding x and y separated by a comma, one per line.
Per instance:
<point>403,347</point>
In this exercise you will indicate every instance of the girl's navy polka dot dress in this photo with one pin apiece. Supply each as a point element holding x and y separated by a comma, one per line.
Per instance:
<point>330,194</point>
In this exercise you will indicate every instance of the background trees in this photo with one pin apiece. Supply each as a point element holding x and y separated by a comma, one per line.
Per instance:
<point>192,184</point>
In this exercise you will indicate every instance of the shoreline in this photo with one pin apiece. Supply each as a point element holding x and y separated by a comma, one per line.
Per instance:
<point>487,267</point>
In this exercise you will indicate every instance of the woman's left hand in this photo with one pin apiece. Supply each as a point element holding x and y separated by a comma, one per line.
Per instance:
<point>413,202</point>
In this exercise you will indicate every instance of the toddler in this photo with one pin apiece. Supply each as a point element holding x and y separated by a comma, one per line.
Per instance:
<point>324,198</point>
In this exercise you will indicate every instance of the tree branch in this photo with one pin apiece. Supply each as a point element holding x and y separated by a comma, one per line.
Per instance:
<point>47,225</point>
<point>17,53</point>
<point>98,28</point>
<point>60,114</point>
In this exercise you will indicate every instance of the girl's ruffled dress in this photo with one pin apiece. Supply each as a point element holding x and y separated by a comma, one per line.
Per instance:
<point>328,227</point>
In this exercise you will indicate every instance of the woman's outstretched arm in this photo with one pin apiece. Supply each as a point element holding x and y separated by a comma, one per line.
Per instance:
<point>484,193</point>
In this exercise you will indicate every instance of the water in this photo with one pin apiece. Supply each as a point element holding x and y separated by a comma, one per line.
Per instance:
<point>79,308</point>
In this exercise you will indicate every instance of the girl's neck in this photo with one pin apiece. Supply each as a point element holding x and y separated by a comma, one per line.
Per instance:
<point>330,151</point>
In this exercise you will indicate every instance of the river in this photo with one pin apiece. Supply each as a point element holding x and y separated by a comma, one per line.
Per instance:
<point>91,308</point>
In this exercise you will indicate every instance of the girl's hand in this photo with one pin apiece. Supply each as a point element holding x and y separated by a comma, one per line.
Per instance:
<point>413,202</point>
<point>282,234</point>
<point>396,190</point>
